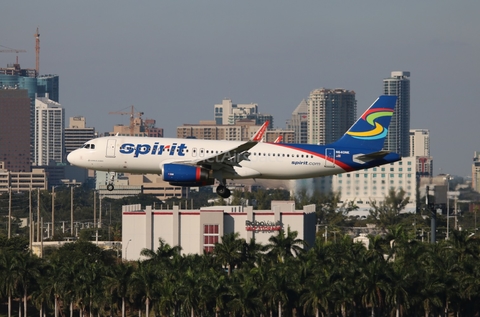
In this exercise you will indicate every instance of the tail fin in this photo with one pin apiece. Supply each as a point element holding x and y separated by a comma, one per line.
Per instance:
<point>371,128</point>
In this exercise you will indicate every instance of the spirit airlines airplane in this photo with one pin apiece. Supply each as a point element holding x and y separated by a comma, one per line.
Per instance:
<point>194,162</point>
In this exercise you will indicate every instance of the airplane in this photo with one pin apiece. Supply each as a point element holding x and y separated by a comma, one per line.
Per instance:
<point>195,162</point>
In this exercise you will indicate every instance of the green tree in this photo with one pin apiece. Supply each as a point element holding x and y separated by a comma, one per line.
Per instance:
<point>387,213</point>
<point>118,283</point>
<point>285,244</point>
<point>229,251</point>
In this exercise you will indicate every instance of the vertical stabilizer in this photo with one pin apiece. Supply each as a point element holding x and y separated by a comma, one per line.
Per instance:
<point>371,128</point>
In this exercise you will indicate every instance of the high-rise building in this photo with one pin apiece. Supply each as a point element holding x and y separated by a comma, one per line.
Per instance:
<point>13,76</point>
<point>420,149</point>
<point>228,113</point>
<point>15,130</point>
<point>49,131</point>
<point>398,133</point>
<point>419,142</point>
<point>299,122</point>
<point>331,112</point>
<point>77,134</point>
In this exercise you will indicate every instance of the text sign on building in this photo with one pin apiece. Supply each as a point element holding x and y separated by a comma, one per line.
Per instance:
<point>262,225</point>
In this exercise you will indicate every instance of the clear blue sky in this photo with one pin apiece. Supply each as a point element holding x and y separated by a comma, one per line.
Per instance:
<point>175,59</point>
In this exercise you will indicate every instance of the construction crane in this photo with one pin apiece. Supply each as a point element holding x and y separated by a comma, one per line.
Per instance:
<point>12,50</point>
<point>133,115</point>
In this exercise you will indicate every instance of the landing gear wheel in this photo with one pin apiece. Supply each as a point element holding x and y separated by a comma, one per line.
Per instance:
<point>110,187</point>
<point>223,191</point>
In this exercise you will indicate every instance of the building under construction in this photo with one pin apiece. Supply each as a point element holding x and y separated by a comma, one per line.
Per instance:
<point>137,126</point>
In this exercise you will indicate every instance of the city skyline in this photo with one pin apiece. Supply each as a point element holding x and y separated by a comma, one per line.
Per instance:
<point>174,60</point>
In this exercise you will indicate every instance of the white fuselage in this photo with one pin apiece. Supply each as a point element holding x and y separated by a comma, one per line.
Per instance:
<point>148,155</point>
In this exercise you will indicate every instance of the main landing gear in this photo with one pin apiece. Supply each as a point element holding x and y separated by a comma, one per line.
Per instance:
<point>223,191</point>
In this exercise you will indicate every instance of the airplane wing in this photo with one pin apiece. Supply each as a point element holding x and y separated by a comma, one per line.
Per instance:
<point>278,139</point>
<point>233,156</point>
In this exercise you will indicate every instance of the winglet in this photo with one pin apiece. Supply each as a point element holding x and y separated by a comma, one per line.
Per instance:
<point>257,137</point>
<point>279,139</point>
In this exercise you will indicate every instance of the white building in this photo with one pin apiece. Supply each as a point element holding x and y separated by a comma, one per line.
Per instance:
<point>373,184</point>
<point>419,142</point>
<point>197,231</point>
<point>228,112</point>
<point>420,149</point>
<point>48,132</point>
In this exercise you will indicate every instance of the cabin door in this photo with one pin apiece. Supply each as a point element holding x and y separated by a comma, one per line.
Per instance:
<point>111,148</point>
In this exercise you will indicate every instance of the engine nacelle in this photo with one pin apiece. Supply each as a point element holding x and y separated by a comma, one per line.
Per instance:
<point>186,175</point>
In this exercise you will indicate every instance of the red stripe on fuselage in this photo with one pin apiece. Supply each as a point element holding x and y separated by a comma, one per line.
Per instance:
<point>344,166</point>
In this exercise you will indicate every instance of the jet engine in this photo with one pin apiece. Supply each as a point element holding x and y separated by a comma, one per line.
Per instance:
<point>186,175</point>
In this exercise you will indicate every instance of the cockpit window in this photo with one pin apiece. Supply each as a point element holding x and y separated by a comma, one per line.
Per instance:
<point>88,146</point>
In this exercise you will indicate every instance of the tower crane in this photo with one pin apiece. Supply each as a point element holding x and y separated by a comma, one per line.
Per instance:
<point>133,116</point>
<point>12,50</point>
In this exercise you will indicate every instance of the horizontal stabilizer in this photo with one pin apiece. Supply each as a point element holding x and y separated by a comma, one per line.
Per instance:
<point>364,158</point>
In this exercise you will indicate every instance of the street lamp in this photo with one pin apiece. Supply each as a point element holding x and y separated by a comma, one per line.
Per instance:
<point>126,249</point>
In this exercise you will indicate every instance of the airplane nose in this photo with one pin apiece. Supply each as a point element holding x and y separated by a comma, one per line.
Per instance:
<point>72,157</point>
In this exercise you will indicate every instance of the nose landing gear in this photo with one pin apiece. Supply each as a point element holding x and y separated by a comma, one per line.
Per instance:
<point>111,176</point>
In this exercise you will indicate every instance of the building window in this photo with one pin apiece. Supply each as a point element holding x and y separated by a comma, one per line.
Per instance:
<point>210,237</point>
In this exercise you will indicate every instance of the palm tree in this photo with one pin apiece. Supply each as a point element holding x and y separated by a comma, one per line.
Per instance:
<point>374,283</point>
<point>285,245</point>
<point>119,282</point>
<point>229,251</point>
<point>386,213</point>
<point>245,296</point>
<point>316,292</point>
<point>163,254</point>
<point>25,269</point>
<point>10,275</point>
<point>252,253</point>
<point>143,282</point>
<point>283,284</point>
